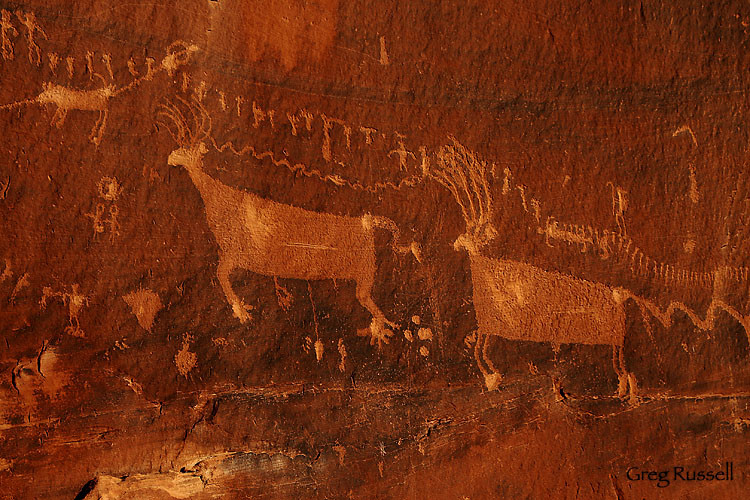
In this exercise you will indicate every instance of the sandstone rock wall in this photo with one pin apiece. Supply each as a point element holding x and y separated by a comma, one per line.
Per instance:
<point>326,249</point>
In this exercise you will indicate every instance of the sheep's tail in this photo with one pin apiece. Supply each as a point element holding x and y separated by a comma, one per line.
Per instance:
<point>389,225</point>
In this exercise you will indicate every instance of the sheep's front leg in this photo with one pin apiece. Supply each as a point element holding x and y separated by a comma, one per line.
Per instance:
<point>493,378</point>
<point>58,119</point>
<point>239,309</point>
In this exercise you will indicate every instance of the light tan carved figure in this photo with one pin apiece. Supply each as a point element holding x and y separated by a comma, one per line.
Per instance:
<point>85,100</point>
<point>145,304</point>
<point>28,19</point>
<point>275,239</point>
<point>7,30</point>
<point>66,99</point>
<point>518,301</point>
<point>75,302</point>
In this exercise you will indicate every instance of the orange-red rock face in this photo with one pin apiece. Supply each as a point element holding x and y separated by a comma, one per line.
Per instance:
<point>460,250</point>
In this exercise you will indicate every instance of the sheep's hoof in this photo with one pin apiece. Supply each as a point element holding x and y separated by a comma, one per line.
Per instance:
<point>240,311</point>
<point>492,381</point>
<point>627,388</point>
<point>377,332</point>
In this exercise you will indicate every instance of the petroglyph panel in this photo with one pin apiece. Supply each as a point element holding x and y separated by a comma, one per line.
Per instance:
<point>326,249</point>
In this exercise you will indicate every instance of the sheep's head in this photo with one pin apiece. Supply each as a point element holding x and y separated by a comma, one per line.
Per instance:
<point>465,176</point>
<point>189,137</point>
<point>187,155</point>
<point>473,241</point>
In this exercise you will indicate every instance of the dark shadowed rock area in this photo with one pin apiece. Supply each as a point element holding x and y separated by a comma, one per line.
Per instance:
<point>350,249</point>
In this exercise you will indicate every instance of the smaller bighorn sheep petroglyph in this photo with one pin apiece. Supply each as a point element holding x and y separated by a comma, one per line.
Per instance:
<point>528,303</point>
<point>274,239</point>
<point>66,99</point>
<point>518,301</point>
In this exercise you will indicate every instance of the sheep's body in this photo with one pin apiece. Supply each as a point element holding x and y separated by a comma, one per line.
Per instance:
<point>518,301</point>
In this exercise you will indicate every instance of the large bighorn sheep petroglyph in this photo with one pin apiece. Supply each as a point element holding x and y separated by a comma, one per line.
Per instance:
<point>518,301</point>
<point>274,239</point>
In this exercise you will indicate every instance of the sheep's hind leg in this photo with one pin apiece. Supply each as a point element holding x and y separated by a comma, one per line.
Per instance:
<point>625,380</point>
<point>377,329</point>
<point>622,377</point>
<point>239,309</point>
<point>632,384</point>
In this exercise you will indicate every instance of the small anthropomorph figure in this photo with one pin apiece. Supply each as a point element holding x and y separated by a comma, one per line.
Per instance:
<point>6,31</point>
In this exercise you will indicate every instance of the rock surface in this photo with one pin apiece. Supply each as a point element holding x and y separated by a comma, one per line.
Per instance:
<point>446,250</point>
